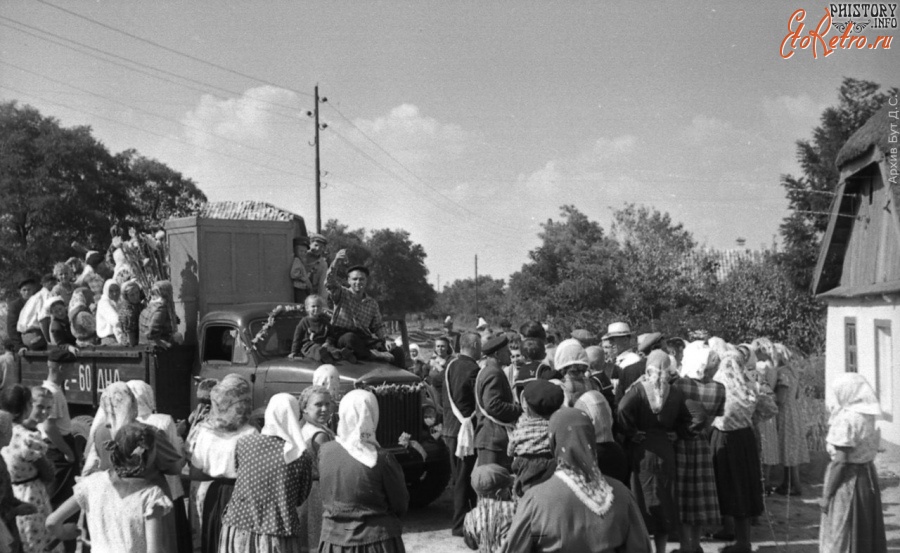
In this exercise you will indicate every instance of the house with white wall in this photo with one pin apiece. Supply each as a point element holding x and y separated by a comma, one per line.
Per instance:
<point>858,271</point>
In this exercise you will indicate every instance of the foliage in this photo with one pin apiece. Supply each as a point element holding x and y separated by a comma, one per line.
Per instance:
<point>810,195</point>
<point>399,276</point>
<point>458,299</point>
<point>59,185</point>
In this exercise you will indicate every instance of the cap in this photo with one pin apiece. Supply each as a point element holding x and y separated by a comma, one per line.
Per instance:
<point>318,238</point>
<point>362,268</point>
<point>490,478</point>
<point>495,344</point>
<point>583,336</point>
<point>26,281</point>
<point>533,330</point>
<point>544,397</point>
<point>60,355</point>
<point>301,241</point>
<point>482,324</point>
<point>617,329</point>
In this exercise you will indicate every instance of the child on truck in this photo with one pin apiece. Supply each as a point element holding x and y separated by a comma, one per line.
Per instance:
<point>313,336</point>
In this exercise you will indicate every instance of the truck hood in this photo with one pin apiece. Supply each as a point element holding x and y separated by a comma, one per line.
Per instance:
<point>367,372</point>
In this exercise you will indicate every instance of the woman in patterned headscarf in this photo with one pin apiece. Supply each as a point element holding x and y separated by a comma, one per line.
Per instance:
<point>212,447</point>
<point>652,414</point>
<point>128,329</point>
<point>363,488</point>
<point>159,324</point>
<point>577,509</point>
<point>611,458</point>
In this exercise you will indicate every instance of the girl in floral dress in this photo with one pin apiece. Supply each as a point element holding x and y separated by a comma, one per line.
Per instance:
<point>28,466</point>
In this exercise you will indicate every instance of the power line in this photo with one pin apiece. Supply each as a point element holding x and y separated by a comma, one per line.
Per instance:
<point>141,129</point>
<point>135,69</point>
<point>172,50</point>
<point>152,114</point>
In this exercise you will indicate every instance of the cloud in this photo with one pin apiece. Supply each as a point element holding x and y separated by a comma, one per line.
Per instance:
<point>248,118</point>
<point>705,130</point>
<point>541,182</point>
<point>803,109</point>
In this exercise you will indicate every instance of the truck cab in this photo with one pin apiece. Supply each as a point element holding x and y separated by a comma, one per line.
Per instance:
<point>254,341</point>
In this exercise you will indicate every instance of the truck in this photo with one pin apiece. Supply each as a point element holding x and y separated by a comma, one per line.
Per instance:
<point>234,300</point>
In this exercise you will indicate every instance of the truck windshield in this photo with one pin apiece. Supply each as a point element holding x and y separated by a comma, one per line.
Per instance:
<point>276,341</point>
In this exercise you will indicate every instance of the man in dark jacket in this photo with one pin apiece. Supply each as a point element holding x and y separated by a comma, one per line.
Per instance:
<point>497,410</point>
<point>26,288</point>
<point>458,433</point>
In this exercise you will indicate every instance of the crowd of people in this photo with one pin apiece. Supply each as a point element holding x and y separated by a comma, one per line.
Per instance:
<point>675,438</point>
<point>92,302</point>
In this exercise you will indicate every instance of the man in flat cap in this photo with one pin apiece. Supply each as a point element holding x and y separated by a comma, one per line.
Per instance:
<point>299,274</point>
<point>357,318</point>
<point>316,265</point>
<point>497,409</point>
<point>460,411</point>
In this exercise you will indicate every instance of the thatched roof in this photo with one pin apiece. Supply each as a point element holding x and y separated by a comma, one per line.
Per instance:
<point>245,210</point>
<point>875,132</point>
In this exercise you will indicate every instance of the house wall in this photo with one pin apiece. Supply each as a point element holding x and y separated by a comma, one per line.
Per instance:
<point>877,321</point>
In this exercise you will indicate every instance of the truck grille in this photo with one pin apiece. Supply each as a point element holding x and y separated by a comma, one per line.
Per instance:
<point>399,411</point>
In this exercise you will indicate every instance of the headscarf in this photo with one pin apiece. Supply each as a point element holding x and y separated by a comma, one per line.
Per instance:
<point>696,360</point>
<point>231,404</point>
<point>597,408</point>
<point>732,376</point>
<point>570,352</point>
<point>144,397</point>
<point>119,406</point>
<point>655,379</point>
<point>283,421</point>
<point>163,292</point>
<point>328,377</point>
<point>572,441</point>
<point>357,421</point>
<point>82,298</point>
<point>852,392</point>
<point>107,311</point>
<point>130,450</point>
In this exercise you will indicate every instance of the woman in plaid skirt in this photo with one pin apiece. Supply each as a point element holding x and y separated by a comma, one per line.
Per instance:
<point>695,481</point>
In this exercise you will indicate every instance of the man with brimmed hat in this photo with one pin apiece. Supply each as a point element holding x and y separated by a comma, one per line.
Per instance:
<point>57,430</point>
<point>357,318</point>
<point>619,336</point>
<point>299,273</point>
<point>497,408</point>
<point>316,265</point>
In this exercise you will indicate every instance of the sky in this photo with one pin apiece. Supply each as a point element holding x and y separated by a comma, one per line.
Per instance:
<point>468,124</point>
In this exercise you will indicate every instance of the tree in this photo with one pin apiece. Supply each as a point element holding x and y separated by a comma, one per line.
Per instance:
<point>458,299</point>
<point>340,237</point>
<point>56,185</point>
<point>810,195</point>
<point>400,277</point>
<point>572,274</point>
<point>159,192</point>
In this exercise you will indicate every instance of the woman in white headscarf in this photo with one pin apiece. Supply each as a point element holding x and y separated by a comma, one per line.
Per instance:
<point>146,413</point>
<point>363,488</point>
<point>273,478</point>
<point>107,317</point>
<point>611,457</point>
<point>852,515</point>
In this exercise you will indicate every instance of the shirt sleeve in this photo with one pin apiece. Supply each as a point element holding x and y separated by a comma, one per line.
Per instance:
<point>79,492</point>
<point>156,504</point>
<point>843,433</point>
<point>168,459</point>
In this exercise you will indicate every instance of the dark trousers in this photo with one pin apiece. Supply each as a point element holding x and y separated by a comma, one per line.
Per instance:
<point>461,484</point>
<point>61,489</point>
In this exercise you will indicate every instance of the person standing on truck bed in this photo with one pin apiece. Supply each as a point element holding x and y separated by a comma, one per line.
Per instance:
<point>26,288</point>
<point>357,318</point>
<point>299,274</point>
<point>316,264</point>
<point>57,431</point>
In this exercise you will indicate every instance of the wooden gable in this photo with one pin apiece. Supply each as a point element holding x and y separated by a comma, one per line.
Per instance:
<point>860,252</point>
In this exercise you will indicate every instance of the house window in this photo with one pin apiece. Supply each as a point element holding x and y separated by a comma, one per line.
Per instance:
<point>884,362</point>
<point>850,344</point>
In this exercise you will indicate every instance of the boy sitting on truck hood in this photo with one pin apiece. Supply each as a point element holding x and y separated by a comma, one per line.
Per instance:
<point>313,337</point>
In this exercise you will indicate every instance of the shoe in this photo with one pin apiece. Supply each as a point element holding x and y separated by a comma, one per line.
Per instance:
<point>719,535</point>
<point>347,355</point>
<point>457,532</point>
<point>734,548</point>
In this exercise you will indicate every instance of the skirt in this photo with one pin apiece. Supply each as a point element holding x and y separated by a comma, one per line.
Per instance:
<point>217,497</point>
<point>613,462</point>
<point>311,517</point>
<point>236,540</point>
<point>390,545</point>
<point>855,520</point>
<point>738,474</point>
<point>695,483</point>
<point>653,483</point>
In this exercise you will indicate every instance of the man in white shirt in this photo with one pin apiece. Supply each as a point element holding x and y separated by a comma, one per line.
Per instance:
<point>57,430</point>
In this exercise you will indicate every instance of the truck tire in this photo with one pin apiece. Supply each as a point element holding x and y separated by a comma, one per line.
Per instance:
<point>81,429</point>
<point>431,485</point>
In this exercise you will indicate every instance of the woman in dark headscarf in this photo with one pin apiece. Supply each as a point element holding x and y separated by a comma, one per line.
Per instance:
<point>212,448</point>
<point>652,414</point>
<point>159,323</point>
<point>577,509</point>
<point>84,325</point>
<point>128,329</point>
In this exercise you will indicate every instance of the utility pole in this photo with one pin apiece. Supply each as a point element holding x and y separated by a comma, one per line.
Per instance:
<point>476,288</point>
<point>318,172</point>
